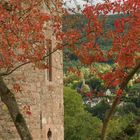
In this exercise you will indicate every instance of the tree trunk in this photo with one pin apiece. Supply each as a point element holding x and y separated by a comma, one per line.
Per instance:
<point>9,100</point>
<point>116,100</point>
<point>106,121</point>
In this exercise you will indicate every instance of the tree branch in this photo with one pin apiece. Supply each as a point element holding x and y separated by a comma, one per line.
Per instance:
<point>19,66</point>
<point>116,100</point>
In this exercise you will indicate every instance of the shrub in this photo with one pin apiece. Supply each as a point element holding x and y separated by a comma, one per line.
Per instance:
<point>118,124</point>
<point>79,124</point>
<point>127,108</point>
<point>100,109</point>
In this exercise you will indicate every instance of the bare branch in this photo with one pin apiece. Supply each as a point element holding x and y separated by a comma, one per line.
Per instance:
<point>28,62</point>
<point>116,100</point>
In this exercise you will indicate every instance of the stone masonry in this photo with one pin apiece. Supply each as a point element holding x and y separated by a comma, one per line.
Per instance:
<point>42,94</point>
<point>44,97</point>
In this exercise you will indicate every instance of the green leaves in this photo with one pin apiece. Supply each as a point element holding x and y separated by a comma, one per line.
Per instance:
<point>79,124</point>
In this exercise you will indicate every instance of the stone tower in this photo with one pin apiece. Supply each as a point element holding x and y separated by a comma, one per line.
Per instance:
<point>42,90</point>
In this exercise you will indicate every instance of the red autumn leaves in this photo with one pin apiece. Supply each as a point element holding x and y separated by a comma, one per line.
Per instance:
<point>17,87</point>
<point>21,32</point>
<point>113,78</point>
<point>22,35</point>
<point>125,36</point>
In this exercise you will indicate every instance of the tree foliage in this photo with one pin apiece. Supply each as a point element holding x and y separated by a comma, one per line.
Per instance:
<point>26,30</point>
<point>125,48</point>
<point>79,124</point>
<point>24,26</point>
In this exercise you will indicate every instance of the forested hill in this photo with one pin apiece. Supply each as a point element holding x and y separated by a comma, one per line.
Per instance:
<point>78,21</point>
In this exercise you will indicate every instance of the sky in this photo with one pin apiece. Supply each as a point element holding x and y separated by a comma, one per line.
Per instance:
<point>69,4</point>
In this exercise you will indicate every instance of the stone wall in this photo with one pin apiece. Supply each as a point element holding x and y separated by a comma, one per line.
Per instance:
<point>44,97</point>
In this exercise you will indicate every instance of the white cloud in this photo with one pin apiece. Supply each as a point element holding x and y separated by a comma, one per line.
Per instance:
<point>80,3</point>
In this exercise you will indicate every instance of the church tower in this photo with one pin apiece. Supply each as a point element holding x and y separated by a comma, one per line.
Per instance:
<point>42,94</point>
